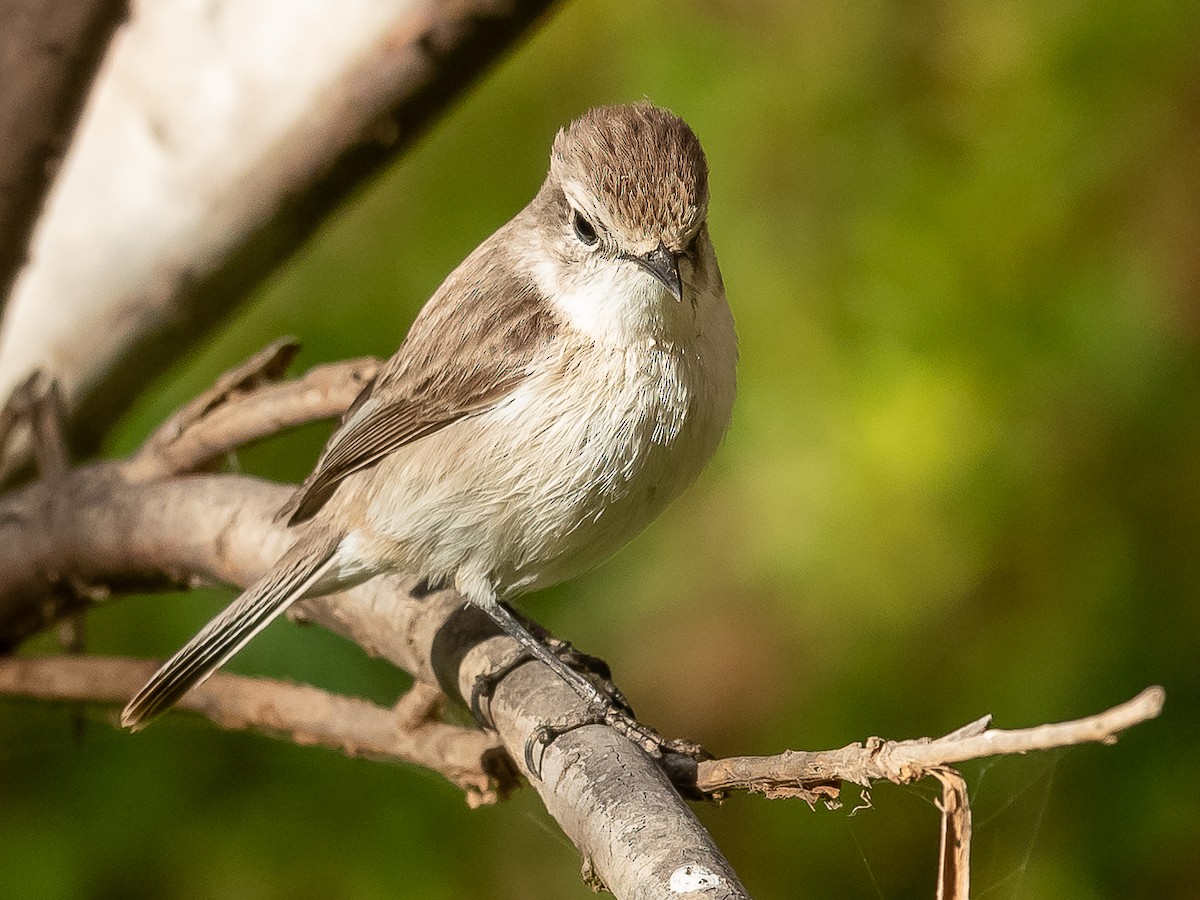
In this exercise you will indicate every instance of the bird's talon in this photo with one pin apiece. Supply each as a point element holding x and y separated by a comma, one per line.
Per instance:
<point>485,685</point>
<point>482,687</point>
<point>542,736</point>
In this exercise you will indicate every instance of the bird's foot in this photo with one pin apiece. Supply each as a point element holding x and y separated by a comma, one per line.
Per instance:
<point>603,693</point>
<point>607,696</point>
<point>677,757</point>
<point>486,683</point>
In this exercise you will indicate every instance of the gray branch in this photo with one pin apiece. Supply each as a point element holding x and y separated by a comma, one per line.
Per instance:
<point>95,527</point>
<point>410,731</point>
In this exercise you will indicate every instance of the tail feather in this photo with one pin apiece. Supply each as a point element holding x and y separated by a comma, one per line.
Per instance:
<point>290,580</point>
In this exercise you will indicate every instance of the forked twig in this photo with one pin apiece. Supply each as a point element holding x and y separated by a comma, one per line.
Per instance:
<point>247,404</point>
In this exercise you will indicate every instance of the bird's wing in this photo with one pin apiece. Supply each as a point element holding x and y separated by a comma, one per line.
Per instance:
<point>470,347</point>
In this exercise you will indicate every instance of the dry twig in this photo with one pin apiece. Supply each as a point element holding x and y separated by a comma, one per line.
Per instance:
<point>409,732</point>
<point>817,776</point>
<point>954,846</point>
<point>793,772</point>
<point>247,404</point>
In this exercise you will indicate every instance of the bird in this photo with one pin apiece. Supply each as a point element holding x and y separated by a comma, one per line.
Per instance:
<point>569,379</point>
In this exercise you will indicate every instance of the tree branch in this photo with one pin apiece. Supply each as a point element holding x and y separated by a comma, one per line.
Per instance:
<point>49,51</point>
<point>110,523</point>
<point>901,762</point>
<point>817,776</point>
<point>409,732</point>
<point>246,405</point>
<point>201,163</point>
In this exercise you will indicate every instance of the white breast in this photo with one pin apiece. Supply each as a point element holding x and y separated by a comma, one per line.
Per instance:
<point>576,462</point>
<point>618,438</point>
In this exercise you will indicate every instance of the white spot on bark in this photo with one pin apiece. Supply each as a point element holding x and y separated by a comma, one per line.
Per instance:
<point>688,879</point>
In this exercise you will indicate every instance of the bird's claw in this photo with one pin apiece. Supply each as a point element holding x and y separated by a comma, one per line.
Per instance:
<point>611,712</point>
<point>486,683</point>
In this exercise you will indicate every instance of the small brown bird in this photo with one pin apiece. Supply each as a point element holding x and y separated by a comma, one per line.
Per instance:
<point>567,381</point>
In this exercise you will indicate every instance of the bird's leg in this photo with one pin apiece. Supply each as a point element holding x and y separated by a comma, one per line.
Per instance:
<point>602,708</point>
<point>532,648</point>
<point>592,667</point>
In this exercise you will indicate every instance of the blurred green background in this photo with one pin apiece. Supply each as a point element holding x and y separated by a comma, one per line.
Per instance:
<point>961,242</point>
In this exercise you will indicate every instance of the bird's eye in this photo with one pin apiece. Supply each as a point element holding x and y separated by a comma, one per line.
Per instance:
<point>584,230</point>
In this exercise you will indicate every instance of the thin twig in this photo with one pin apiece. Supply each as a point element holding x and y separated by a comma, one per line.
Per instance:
<point>264,367</point>
<point>794,772</point>
<point>817,776</point>
<point>238,411</point>
<point>954,853</point>
<point>298,713</point>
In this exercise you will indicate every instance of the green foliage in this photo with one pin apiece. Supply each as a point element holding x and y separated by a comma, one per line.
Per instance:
<point>961,244</point>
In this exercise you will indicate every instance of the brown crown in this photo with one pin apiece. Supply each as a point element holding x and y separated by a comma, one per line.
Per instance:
<point>643,163</point>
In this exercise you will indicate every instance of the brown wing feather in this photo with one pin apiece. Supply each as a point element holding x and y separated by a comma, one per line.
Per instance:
<point>470,347</point>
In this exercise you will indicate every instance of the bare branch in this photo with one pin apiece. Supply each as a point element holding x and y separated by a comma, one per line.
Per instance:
<point>304,715</point>
<point>901,762</point>
<point>247,411</point>
<point>224,524</point>
<point>817,776</point>
<point>264,367</point>
<point>101,527</point>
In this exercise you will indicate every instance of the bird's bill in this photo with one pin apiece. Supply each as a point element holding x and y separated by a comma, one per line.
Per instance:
<point>664,266</point>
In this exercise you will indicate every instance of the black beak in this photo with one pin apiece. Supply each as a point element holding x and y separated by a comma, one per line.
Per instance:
<point>663,265</point>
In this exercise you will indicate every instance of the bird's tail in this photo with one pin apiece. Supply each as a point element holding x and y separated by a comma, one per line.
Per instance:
<point>292,578</point>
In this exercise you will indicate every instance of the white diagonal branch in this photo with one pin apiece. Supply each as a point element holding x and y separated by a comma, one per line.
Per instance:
<point>216,139</point>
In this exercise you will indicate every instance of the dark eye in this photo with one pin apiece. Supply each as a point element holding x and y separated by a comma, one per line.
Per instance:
<point>584,230</point>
